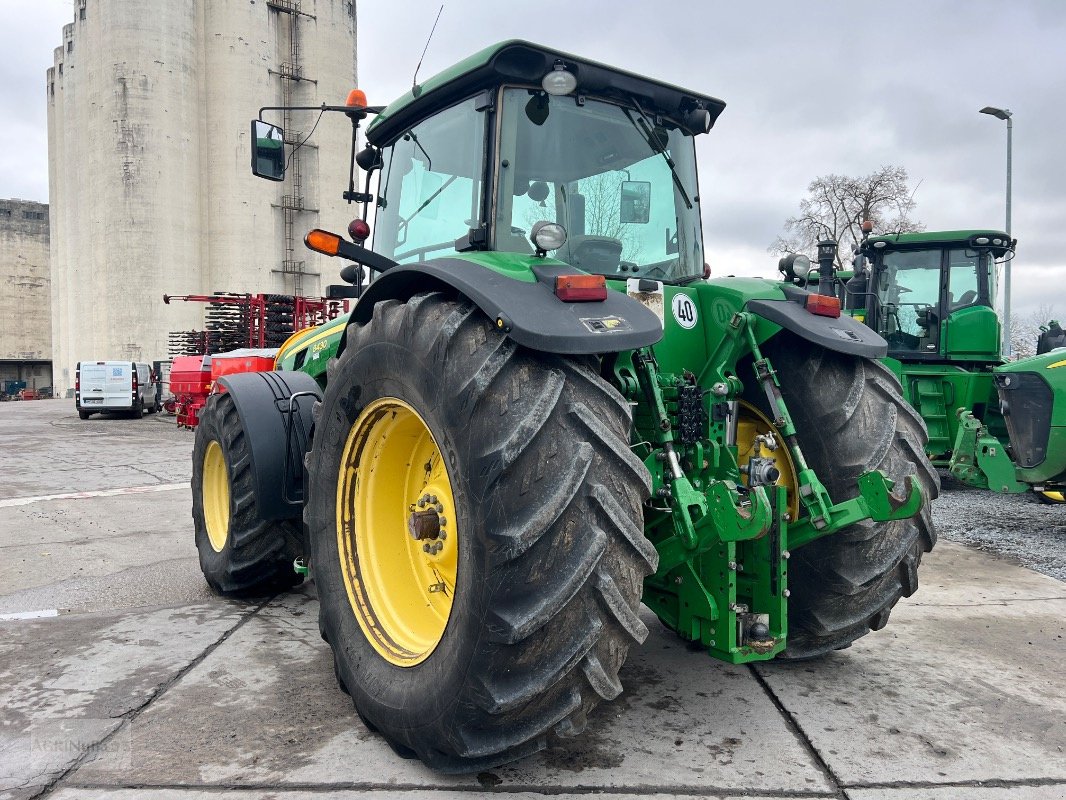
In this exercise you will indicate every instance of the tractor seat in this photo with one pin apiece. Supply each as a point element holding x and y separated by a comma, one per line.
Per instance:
<point>967,299</point>
<point>599,254</point>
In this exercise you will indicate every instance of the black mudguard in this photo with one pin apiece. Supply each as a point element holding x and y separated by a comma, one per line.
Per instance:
<point>529,313</point>
<point>842,334</point>
<point>277,439</point>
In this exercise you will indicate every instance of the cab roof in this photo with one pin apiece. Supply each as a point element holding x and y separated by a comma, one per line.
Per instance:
<point>521,62</point>
<point>925,238</point>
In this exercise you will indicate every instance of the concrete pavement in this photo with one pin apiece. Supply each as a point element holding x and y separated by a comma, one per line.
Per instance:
<point>121,676</point>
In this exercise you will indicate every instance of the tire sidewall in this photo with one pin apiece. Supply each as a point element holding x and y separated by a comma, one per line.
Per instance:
<point>213,564</point>
<point>383,691</point>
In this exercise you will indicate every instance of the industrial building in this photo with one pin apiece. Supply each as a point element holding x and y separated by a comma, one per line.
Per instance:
<point>25,323</point>
<point>149,110</point>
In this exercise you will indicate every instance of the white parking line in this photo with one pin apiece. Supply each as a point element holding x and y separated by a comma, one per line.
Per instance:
<point>45,612</point>
<point>159,487</point>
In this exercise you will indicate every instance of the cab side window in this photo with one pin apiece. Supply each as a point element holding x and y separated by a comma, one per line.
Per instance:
<point>963,276</point>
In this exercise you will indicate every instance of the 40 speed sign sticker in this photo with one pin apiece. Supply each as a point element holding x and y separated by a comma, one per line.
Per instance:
<point>684,311</point>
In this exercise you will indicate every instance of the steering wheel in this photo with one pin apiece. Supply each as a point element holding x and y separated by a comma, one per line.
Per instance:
<point>662,267</point>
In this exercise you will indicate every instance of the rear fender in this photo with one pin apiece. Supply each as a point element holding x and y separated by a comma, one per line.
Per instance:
<point>526,311</point>
<point>277,439</point>
<point>842,334</point>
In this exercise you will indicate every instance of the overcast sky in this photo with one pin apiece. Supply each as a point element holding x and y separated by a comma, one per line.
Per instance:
<point>811,88</point>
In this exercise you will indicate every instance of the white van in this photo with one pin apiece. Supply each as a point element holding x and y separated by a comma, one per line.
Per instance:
<point>114,386</point>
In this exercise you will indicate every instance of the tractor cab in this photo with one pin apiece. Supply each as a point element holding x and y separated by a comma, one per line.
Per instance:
<point>518,137</point>
<point>601,161</point>
<point>616,186</point>
<point>932,295</point>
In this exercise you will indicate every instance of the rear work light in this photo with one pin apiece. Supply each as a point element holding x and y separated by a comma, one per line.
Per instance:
<point>823,305</point>
<point>580,288</point>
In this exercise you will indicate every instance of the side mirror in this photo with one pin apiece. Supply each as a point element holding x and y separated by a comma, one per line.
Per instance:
<point>635,202</point>
<point>268,151</point>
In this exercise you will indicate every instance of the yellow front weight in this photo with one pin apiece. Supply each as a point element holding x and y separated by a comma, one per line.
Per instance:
<point>397,537</point>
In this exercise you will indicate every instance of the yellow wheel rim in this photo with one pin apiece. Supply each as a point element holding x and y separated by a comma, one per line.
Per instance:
<point>1056,497</point>
<point>216,496</point>
<point>754,423</point>
<point>396,532</point>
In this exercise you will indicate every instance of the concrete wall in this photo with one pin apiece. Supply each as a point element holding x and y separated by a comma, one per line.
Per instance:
<point>25,298</point>
<point>150,103</point>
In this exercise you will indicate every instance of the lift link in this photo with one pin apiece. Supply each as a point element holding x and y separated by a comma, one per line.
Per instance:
<point>813,494</point>
<point>700,520</point>
<point>876,499</point>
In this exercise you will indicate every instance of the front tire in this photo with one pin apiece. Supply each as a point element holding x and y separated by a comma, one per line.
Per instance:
<point>240,554</point>
<point>850,418</point>
<point>526,458</point>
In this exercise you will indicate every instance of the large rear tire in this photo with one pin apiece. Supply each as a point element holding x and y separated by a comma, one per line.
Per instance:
<point>525,458</point>
<point>240,554</point>
<point>851,418</point>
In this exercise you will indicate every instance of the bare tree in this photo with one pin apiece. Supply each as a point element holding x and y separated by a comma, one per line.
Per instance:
<point>1025,330</point>
<point>837,205</point>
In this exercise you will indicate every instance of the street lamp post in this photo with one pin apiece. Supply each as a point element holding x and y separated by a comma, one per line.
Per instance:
<point>1005,113</point>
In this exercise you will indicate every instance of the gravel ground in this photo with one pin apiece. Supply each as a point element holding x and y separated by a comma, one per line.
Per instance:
<point>1018,527</point>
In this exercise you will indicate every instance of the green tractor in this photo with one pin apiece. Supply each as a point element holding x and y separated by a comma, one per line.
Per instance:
<point>931,296</point>
<point>540,414</point>
<point>1032,400</point>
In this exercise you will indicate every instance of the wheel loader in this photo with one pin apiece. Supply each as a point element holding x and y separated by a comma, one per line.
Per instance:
<point>540,414</point>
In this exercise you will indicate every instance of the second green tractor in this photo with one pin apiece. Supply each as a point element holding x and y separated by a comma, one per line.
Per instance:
<point>995,424</point>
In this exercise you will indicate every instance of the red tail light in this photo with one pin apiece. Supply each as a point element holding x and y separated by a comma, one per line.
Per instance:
<point>823,305</point>
<point>580,288</point>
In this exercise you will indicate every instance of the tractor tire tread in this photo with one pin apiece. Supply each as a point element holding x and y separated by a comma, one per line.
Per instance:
<point>563,576</point>
<point>258,555</point>
<point>846,584</point>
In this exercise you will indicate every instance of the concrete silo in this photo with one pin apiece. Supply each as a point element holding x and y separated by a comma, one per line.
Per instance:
<point>149,106</point>
<point>25,331</point>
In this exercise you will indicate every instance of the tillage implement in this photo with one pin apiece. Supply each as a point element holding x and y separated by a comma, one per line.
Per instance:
<point>540,414</point>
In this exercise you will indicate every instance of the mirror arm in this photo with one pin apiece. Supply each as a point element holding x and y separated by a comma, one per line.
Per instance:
<point>351,166</point>
<point>323,107</point>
